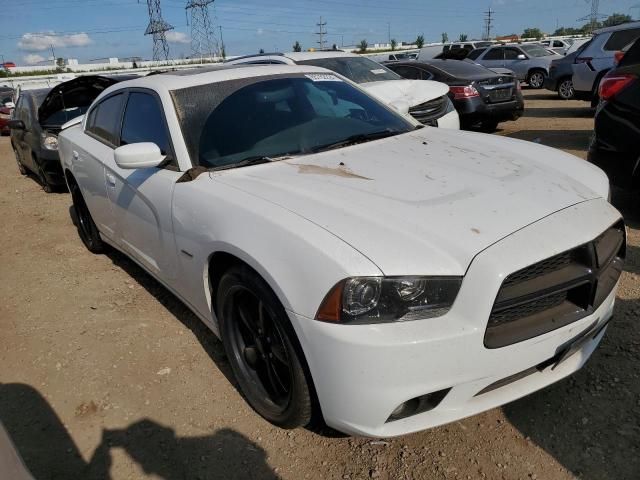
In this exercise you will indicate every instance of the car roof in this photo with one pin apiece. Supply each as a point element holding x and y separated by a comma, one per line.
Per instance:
<point>175,80</point>
<point>301,56</point>
<point>624,26</point>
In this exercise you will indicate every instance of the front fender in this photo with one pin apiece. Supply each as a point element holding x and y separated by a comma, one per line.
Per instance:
<point>299,260</point>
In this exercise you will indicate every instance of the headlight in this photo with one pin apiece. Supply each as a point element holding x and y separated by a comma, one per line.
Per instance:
<point>49,141</point>
<point>361,300</point>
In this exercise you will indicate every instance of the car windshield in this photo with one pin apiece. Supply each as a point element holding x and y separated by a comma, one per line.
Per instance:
<point>535,50</point>
<point>227,123</point>
<point>356,69</point>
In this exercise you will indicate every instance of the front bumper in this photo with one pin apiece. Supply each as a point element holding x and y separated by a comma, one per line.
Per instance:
<point>551,83</point>
<point>362,373</point>
<point>451,121</point>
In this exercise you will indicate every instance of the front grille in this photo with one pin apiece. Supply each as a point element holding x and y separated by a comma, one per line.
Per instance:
<point>556,291</point>
<point>429,112</point>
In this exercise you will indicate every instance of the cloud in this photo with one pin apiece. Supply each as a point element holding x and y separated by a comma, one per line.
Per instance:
<point>37,42</point>
<point>177,37</point>
<point>33,58</point>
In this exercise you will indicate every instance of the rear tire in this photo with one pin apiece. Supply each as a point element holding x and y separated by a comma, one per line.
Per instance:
<point>535,79</point>
<point>263,350</point>
<point>565,89</point>
<point>87,229</point>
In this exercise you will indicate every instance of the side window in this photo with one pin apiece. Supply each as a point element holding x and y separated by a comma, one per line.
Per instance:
<point>558,44</point>
<point>144,122</point>
<point>494,54</point>
<point>621,39</point>
<point>104,119</point>
<point>476,53</point>
<point>426,75</point>
<point>408,72</point>
<point>511,53</point>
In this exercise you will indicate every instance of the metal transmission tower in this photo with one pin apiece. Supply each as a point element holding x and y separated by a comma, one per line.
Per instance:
<point>594,16</point>
<point>321,33</point>
<point>204,41</point>
<point>488,24</point>
<point>158,28</point>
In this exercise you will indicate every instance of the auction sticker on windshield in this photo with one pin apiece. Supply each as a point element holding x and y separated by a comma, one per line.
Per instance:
<point>322,77</point>
<point>378,71</point>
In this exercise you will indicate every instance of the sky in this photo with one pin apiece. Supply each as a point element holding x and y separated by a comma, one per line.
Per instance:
<point>97,29</point>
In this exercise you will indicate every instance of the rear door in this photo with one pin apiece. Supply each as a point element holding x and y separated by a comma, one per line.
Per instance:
<point>493,58</point>
<point>141,198</point>
<point>91,156</point>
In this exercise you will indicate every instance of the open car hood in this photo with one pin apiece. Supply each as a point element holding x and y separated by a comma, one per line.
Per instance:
<point>404,94</point>
<point>78,93</point>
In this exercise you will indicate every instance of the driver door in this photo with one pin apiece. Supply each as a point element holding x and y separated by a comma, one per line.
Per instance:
<point>141,199</point>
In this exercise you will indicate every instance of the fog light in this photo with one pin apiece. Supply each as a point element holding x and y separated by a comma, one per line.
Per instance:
<point>418,405</point>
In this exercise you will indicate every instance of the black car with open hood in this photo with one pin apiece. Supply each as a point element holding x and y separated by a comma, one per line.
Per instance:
<point>39,116</point>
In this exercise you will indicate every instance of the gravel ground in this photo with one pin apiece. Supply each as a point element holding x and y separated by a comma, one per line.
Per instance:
<point>104,374</point>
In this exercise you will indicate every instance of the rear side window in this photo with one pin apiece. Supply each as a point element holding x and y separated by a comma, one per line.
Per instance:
<point>558,44</point>
<point>411,73</point>
<point>632,56</point>
<point>144,122</point>
<point>621,39</point>
<point>494,54</point>
<point>511,53</point>
<point>104,119</point>
<point>476,53</point>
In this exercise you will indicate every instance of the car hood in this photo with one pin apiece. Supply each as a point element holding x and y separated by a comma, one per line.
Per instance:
<point>404,94</point>
<point>426,202</point>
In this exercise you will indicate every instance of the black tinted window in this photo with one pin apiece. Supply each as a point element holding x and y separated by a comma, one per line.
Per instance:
<point>632,56</point>
<point>494,54</point>
<point>104,119</point>
<point>144,122</point>
<point>511,53</point>
<point>476,53</point>
<point>408,72</point>
<point>621,39</point>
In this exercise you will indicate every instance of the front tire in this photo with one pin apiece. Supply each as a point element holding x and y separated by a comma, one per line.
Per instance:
<point>21,168</point>
<point>536,79</point>
<point>565,89</point>
<point>262,349</point>
<point>87,229</point>
<point>46,186</point>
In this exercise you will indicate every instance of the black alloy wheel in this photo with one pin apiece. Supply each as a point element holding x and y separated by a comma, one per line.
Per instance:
<point>87,229</point>
<point>262,349</point>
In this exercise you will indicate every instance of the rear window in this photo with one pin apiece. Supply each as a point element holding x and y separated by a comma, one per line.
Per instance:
<point>476,53</point>
<point>460,69</point>
<point>356,69</point>
<point>621,39</point>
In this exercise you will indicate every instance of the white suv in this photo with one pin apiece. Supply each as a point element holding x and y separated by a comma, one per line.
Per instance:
<point>425,100</point>
<point>599,57</point>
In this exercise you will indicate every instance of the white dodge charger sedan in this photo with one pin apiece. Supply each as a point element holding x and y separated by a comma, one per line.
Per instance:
<point>358,267</point>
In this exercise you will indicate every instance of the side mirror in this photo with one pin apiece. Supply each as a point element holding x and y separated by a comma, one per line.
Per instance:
<point>522,57</point>
<point>16,125</point>
<point>138,155</point>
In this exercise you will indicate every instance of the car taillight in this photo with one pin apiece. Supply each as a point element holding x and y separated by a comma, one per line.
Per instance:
<point>617,57</point>
<point>614,84</point>
<point>464,92</point>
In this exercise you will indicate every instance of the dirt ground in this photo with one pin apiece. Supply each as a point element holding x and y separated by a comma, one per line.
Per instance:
<point>104,374</point>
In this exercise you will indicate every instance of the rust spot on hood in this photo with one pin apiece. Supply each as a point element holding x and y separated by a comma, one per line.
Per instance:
<point>340,171</point>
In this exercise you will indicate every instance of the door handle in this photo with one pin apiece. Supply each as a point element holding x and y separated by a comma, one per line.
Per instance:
<point>111,180</point>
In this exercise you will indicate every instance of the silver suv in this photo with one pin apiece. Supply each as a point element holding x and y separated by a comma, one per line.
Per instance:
<point>530,62</point>
<point>599,57</point>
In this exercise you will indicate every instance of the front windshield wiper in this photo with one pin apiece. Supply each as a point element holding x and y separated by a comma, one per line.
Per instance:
<point>353,139</point>
<point>253,160</point>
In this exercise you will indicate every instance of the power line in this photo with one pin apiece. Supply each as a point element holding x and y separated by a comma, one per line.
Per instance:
<point>594,16</point>
<point>321,33</point>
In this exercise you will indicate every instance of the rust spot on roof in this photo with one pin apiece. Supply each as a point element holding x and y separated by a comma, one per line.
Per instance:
<point>340,171</point>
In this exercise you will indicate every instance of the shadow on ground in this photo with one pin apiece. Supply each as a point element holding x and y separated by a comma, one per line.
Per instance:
<point>576,112</point>
<point>565,140</point>
<point>49,452</point>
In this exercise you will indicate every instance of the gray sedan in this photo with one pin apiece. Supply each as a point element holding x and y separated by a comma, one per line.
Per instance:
<point>529,62</point>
